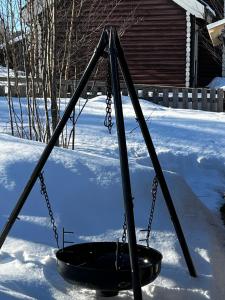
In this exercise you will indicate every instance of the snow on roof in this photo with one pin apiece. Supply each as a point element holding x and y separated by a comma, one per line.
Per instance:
<point>194,7</point>
<point>217,23</point>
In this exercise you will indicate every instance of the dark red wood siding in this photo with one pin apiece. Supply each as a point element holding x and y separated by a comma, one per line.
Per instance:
<point>154,37</point>
<point>154,42</point>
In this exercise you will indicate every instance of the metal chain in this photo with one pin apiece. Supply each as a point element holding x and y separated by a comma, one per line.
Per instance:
<point>45,194</point>
<point>155,184</point>
<point>124,235</point>
<point>119,262</point>
<point>108,117</point>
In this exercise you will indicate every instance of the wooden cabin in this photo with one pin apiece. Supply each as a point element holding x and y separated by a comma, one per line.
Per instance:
<point>160,38</point>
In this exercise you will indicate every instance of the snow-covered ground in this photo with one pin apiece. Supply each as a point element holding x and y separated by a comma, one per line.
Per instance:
<point>85,190</point>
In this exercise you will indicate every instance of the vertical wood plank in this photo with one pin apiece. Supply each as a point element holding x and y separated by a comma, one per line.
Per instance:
<point>155,96</point>
<point>151,94</point>
<point>180,98</point>
<point>94,92</point>
<point>175,98</point>
<point>165,97</point>
<point>145,93</point>
<point>199,96</point>
<point>160,95</point>
<point>213,100</point>
<point>220,99</point>
<point>136,89</point>
<point>185,98</point>
<point>204,100</point>
<point>195,99</point>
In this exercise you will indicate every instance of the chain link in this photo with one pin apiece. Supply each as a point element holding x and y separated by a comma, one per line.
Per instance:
<point>50,212</point>
<point>120,248</point>
<point>155,184</point>
<point>108,117</point>
<point>124,235</point>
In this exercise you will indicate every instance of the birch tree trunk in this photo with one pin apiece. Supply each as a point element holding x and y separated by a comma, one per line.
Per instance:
<point>53,84</point>
<point>51,43</point>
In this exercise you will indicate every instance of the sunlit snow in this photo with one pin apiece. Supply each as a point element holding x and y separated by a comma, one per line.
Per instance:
<point>86,196</point>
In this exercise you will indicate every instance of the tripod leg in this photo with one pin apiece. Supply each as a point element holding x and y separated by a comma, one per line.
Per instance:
<point>48,149</point>
<point>154,158</point>
<point>128,201</point>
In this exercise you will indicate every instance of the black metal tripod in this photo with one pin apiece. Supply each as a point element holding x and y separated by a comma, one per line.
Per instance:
<point>109,39</point>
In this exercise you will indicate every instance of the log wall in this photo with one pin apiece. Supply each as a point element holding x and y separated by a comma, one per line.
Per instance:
<point>153,35</point>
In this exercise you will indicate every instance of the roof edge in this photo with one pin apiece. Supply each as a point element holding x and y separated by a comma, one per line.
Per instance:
<point>194,7</point>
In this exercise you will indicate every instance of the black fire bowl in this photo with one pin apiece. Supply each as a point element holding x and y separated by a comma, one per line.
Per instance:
<point>105,266</point>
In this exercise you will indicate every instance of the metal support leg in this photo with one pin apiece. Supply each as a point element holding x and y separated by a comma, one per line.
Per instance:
<point>103,42</point>
<point>128,200</point>
<point>154,158</point>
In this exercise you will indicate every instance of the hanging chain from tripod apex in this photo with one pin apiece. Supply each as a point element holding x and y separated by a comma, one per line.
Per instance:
<point>50,212</point>
<point>108,117</point>
<point>155,184</point>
